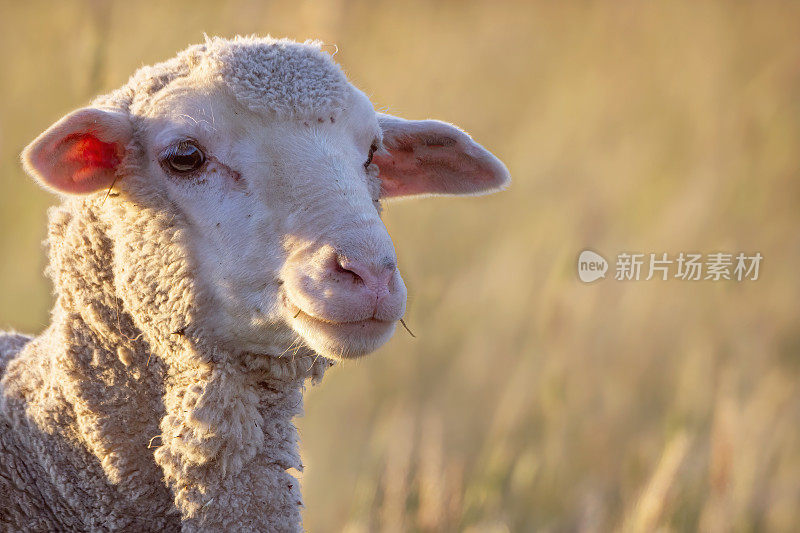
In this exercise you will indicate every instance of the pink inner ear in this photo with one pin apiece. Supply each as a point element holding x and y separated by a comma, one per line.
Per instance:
<point>89,154</point>
<point>436,166</point>
<point>421,157</point>
<point>80,163</point>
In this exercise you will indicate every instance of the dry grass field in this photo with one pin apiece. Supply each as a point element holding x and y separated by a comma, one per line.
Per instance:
<point>528,401</point>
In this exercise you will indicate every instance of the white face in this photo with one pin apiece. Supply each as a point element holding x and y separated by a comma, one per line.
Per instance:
<point>283,219</point>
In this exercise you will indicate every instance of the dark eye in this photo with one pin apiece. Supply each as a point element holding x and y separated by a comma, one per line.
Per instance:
<point>372,150</point>
<point>185,157</point>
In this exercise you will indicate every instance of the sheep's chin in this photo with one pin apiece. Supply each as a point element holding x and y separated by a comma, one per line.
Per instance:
<point>342,340</point>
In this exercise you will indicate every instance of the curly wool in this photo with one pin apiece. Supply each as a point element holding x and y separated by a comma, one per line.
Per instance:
<point>85,404</point>
<point>267,75</point>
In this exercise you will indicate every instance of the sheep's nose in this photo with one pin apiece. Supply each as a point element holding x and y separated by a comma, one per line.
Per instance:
<point>375,275</point>
<point>343,287</point>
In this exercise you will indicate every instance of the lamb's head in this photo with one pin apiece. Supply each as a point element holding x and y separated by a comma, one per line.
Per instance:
<point>273,167</point>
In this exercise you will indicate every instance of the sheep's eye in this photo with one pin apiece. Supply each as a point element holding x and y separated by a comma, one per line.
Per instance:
<point>372,150</point>
<point>185,157</point>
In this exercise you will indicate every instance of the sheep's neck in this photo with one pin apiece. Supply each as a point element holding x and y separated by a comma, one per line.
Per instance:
<point>218,424</point>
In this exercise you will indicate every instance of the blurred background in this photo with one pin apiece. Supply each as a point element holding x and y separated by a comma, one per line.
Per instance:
<point>528,401</point>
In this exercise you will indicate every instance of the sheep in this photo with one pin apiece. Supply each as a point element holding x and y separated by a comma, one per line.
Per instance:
<point>218,243</point>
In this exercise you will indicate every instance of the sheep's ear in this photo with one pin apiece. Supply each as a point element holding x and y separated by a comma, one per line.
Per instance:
<point>430,157</point>
<point>80,153</point>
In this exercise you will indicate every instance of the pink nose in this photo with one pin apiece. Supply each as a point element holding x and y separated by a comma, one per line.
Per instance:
<point>375,276</point>
<point>338,286</point>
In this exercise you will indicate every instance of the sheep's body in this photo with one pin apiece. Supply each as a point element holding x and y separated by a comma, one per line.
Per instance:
<point>49,476</point>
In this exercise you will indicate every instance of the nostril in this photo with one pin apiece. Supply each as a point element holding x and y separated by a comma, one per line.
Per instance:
<point>343,266</point>
<point>339,263</point>
<point>374,275</point>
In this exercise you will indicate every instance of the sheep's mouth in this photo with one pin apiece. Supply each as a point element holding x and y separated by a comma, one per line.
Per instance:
<point>297,313</point>
<point>338,339</point>
<point>300,314</point>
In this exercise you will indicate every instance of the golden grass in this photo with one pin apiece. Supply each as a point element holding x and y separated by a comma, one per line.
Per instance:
<point>528,401</point>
